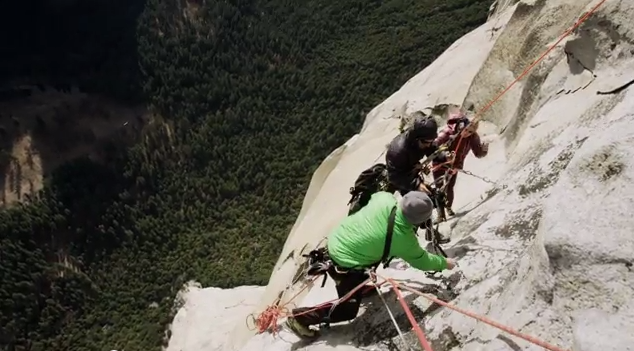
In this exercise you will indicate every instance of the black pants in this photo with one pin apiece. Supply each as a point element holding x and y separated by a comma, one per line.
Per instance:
<point>440,180</point>
<point>344,311</point>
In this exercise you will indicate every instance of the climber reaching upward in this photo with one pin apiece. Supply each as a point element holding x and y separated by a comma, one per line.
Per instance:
<point>443,164</point>
<point>383,228</point>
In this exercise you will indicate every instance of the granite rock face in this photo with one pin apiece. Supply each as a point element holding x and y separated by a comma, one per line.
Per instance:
<point>543,225</point>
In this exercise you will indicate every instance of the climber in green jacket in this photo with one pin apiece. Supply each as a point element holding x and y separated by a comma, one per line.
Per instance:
<point>358,242</point>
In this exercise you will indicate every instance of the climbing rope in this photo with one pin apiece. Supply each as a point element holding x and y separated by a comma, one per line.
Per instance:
<point>509,330</point>
<point>267,320</point>
<point>408,312</point>
<point>481,112</point>
<point>389,312</point>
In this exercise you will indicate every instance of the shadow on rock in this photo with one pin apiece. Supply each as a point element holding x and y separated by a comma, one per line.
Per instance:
<point>457,251</point>
<point>462,213</point>
<point>374,326</point>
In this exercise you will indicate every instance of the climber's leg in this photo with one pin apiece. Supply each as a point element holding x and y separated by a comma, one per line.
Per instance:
<point>450,193</point>
<point>439,182</point>
<point>343,311</point>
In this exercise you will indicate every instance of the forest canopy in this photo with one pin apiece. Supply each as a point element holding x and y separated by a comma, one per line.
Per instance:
<point>248,96</point>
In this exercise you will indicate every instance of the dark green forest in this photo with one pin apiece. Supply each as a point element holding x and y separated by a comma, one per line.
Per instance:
<point>254,94</point>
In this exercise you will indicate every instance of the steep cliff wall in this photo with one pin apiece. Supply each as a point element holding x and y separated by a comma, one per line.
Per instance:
<point>543,225</point>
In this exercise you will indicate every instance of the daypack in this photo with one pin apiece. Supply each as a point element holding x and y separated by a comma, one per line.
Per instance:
<point>370,181</point>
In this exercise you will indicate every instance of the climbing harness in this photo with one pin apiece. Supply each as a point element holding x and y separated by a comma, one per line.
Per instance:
<point>320,263</point>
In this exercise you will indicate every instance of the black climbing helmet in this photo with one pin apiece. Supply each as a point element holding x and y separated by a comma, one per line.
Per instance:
<point>424,129</point>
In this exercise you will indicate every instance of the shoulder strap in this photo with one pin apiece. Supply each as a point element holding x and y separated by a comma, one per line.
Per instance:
<point>390,233</point>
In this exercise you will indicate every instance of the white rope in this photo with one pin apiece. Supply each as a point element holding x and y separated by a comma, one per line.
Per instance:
<point>398,329</point>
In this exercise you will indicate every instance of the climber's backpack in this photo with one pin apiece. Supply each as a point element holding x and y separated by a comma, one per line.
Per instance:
<point>368,182</point>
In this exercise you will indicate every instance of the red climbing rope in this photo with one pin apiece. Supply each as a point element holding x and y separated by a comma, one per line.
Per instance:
<point>500,326</point>
<point>419,332</point>
<point>479,114</point>
<point>268,319</point>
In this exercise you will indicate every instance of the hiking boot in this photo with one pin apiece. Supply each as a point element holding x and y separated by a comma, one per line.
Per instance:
<point>450,212</point>
<point>300,330</point>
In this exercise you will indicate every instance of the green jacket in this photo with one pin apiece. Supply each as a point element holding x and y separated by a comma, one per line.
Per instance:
<point>359,239</point>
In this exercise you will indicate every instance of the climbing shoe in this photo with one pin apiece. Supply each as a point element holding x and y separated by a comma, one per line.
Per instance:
<point>450,212</point>
<point>301,330</point>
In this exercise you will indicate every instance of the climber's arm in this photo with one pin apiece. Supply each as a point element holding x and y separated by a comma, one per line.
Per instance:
<point>478,148</point>
<point>406,246</point>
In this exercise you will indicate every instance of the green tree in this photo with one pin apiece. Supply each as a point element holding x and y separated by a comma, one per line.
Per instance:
<point>251,95</point>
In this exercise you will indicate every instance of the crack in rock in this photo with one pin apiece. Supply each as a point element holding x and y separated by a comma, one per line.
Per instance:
<point>540,179</point>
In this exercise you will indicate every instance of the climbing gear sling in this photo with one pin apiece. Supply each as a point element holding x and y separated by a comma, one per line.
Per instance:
<point>319,262</point>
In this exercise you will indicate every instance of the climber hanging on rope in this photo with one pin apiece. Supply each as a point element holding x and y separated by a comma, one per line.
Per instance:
<point>444,166</point>
<point>404,167</point>
<point>383,228</point>
<point>405,152</point>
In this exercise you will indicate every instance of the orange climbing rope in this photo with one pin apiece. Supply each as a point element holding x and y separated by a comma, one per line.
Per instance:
<point>267,320</point>
<point>479,114</point>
